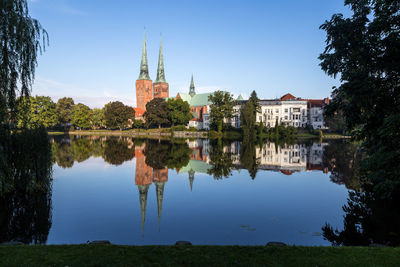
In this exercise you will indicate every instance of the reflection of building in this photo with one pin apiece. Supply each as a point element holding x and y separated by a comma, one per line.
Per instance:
<point>144,176</point>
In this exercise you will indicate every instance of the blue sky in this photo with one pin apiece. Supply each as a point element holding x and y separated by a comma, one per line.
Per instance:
<point>239,46</point>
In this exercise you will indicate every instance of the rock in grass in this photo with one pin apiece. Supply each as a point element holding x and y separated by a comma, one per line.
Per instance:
<point>183,243</point>
<point>275,244</point>
<point>99,242</point>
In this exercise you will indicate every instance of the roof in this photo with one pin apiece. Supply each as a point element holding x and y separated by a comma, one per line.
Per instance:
<point>287,97</point>
<point>240,97</point>
<point>197,100</point>
<point>138,112</point>
<point>197,166</point>
<point>317,102</point>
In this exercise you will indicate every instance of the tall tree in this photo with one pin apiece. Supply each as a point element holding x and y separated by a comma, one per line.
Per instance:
<point>222,104</point>
<point>178,111</point>
<point>364,51</point>
<point>118,115</point>
<point>156,112</point>
<point>33,112</point>
<point>64,109</point>
<point>21,39</point>
<point>98,118</point>
<point>81,116</point>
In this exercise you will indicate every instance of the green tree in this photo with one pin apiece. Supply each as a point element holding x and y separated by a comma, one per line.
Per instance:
<point>156,113</point>
<point>247,119</point>
<point>81,116</point>
<point>221,162</point>
<point>117,115</point>
<point>117,151</point>
<point>34,112</point>
<point>137,124</point>
<point>98,118</point>
<point>178,111</point>
<point>222,104</point>
<point>64,110</point>
<point>364,50</point>
<point>20,42</point>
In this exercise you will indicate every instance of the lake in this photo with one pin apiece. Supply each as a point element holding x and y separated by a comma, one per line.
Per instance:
<point>142,192</point>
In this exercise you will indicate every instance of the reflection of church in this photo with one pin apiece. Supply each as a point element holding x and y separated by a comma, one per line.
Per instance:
<point>144,177</point>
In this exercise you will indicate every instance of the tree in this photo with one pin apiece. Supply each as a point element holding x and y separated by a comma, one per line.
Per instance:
<point>364,51</point>
<point>98,118</point>
<point>137,124</point>
<point>156,112</point>
<point>20,42</point>
<point>33,112</point>
<point>64,110</point>
<point>222,104</point>
<point>255,102</point>
<point>117,115</point>
<point>178,111</point>
<point>117,151</point>
<point>81,116</point>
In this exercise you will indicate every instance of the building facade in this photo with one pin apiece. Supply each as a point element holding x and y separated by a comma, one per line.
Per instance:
<point>146,90</point>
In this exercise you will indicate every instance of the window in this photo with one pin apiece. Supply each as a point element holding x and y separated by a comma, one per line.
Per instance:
<point>286,110</point>
<point>260,118</point>
<point>296,109</point>
<point>286,117</point>
<point>276,110</point>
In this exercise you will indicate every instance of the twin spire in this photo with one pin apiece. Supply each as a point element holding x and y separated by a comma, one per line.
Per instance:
<point>144,68</point>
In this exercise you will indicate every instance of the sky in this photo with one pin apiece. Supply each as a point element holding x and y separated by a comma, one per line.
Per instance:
<point>95,48</point>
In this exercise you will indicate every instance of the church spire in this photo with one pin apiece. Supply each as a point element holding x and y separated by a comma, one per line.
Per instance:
<point>160,195</point>
<point>160,69</point>
<point>191,91</point>
<point>191,179</point>
<point>143,189</point>
<point>144,68</point>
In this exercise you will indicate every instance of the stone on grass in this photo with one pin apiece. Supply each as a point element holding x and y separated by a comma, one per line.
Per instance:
<point>275,244</point>
<point>183,243</point>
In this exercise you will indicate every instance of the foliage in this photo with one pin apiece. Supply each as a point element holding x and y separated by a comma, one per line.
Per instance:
<point>25,185</point>
<point>335,121</point>
<point>248,120</point>
<point>64,109</point>
<point>117,151</point>
<point>138,124</point>
<point>179,128</point>
<point>117,115</point>
<point>81,116</point>
<point>364,51</point>
<point>222,104</point>
<point>156,113</point>
<point>178,111</point>
<point>221,162</point>
<point>248,157</point>
<point>162,154</point>
<point>20,41</point>
<point>34,112</point>
<point>98,118</point>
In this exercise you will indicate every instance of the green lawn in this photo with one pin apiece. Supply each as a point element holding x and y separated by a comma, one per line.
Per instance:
<point>113,255</point>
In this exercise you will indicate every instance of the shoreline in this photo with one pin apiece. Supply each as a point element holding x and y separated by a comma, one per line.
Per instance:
<point>188,255</point>
<point>176,134</point>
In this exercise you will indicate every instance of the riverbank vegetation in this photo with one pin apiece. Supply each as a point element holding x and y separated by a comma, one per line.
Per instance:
<point>114,255</point>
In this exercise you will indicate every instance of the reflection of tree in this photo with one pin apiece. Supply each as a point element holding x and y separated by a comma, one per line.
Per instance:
<point>248,157</point>
<point>370,217</point>
<point>63,154</point>
<point>117,151</point>
<point>161,154</point>
<point>221,162</point>
<point>342,159</point>
<point>25,197</point>
<point>82,149</point>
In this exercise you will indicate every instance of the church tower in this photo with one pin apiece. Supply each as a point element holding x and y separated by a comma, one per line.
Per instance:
<point>160,86</point>
<point>191,90</point>
<point>144,88</point>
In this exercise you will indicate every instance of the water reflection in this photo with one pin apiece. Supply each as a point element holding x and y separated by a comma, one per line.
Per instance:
<point>157,160</point>
<point>25,191</point>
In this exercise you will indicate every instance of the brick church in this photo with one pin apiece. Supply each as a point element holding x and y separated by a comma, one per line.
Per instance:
<point>146,90</point>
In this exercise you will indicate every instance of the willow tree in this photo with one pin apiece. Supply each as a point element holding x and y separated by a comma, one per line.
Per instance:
<point>21,38</point>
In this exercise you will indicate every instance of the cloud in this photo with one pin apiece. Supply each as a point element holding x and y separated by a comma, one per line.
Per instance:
<point>57,90</point>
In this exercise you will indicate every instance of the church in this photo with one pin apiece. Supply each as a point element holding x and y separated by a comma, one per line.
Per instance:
<point>146,90</point>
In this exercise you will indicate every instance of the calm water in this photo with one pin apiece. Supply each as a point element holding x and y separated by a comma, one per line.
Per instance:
<point>153,192</point>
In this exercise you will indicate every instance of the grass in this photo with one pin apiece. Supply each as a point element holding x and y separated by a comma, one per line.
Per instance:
<point>115,255</point>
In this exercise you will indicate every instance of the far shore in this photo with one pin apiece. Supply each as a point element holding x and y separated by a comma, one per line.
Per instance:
<point>165,133</point>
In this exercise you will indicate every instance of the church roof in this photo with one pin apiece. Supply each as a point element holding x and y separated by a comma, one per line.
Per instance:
<point>197,100</point>
<point>240,97</point>
<point>197,166</point>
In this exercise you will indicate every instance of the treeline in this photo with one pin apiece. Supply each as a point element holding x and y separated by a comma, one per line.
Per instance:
<point>34,112</point>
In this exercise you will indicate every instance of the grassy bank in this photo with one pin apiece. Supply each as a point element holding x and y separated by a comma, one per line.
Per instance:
<point>113,255</point>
